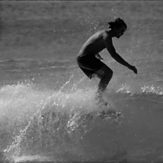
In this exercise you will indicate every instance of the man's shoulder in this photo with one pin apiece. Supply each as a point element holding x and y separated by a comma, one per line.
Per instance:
<point>106,34</point>
<point>103,33</point>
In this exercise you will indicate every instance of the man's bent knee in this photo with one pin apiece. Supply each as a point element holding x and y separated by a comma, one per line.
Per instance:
<point>110,73</point>
<point>104,72</point>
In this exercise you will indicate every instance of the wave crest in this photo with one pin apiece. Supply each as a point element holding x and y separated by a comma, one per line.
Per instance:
<point>58,124</point>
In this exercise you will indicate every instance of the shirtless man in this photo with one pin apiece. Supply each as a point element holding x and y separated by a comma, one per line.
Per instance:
<point>89,59</point>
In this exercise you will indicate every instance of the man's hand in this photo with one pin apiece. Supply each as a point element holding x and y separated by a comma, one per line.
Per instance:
<point>133,68</point>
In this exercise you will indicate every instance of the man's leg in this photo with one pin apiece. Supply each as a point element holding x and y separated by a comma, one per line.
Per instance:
<point>105,74</point>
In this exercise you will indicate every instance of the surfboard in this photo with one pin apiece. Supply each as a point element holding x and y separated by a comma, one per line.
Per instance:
<point>109,113</point>
<point>102,114</point>
<point>106,110</point>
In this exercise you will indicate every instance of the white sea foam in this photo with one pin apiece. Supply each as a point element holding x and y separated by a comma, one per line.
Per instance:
<point>59,124</point>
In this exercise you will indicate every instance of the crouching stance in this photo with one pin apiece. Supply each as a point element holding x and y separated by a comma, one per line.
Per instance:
<point>89,59</point>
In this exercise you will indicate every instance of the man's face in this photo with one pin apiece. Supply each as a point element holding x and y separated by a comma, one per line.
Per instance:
<point>119,32</point>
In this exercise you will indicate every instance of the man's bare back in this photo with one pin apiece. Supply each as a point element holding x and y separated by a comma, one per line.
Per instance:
<point>89,59</point>
<point>94,44</point>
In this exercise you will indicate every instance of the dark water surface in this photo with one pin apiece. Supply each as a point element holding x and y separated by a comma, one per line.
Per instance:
<point>47,107</point>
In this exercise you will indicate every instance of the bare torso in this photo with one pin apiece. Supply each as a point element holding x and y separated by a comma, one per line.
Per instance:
<point>94,44</point>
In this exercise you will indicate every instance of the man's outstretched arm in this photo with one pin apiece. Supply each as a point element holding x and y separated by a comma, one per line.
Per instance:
<point>117,57</point>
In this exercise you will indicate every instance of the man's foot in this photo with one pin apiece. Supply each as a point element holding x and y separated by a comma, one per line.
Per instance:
<point>100,101</point>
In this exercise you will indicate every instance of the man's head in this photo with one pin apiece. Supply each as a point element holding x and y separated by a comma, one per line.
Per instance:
<point>118,26</point>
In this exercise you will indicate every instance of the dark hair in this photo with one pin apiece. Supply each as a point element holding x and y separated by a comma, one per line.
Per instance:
<point>117,23</point>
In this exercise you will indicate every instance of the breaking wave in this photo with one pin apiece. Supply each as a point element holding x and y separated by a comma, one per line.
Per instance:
<point>66,126</point>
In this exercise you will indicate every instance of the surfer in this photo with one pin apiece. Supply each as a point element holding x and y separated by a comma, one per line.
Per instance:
<point>89,59</point>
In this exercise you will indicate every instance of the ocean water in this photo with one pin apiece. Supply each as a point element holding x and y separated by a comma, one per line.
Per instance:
<point>47,108</point>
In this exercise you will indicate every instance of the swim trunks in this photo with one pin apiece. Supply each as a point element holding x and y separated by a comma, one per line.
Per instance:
<point>89,64</point>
